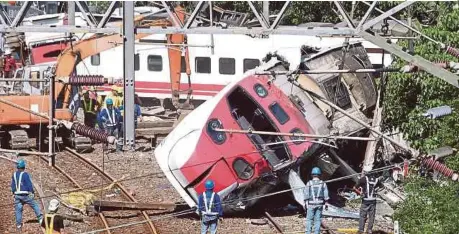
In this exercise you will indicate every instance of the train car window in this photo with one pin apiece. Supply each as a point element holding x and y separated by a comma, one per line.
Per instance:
<point>155,63</point>
<point>183,65</point>
<point>260,90</point>
<point>95,60</point>
<point>279,113</point>
<point>297,139</point>
<point>218,137</point>
<point>227,66</point>
<point>250,64</point>
<point>243,169</point>
<point>35,76</point>
<point>203,65</point>
<point>136,62</point>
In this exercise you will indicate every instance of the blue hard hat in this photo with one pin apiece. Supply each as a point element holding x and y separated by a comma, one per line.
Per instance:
<point>109,101</point>
<point>316,171</point>
<point>209,185</point>
<point>21,164</point>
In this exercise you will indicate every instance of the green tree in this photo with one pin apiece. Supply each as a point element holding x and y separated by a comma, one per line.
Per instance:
<point>430,206</point>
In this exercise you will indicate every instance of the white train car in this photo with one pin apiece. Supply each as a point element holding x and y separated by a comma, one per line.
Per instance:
<point>211,69</point>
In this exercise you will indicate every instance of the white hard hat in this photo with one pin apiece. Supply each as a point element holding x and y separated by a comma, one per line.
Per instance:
<point>7,51</point>
<point>53,205</point>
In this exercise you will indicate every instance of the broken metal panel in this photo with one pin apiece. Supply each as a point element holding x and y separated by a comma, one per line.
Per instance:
<point>357,96</point>
<point>303,102</point>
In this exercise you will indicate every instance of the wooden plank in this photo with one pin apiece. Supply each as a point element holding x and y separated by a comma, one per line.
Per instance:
<point>154,131</point>
<point>119,205</point>
<point>154,124</point>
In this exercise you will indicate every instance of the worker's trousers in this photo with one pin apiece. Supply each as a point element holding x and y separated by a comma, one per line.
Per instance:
<point>114,131</point>
<point>367,208</point>
<point>90,119</point>
<point>20,201</point>
<point>314,215</point>
<point>209,226</point>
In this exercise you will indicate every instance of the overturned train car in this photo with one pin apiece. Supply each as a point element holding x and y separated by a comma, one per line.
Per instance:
<point>245,166</point>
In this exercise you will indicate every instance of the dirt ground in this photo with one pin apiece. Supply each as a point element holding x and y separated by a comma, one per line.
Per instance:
<point>142,176</point>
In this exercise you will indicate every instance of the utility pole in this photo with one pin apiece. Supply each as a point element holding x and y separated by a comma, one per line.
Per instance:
<point>266,10</point>
<point>129,73</point>
<point>71,12</point>
<point>52,159</point>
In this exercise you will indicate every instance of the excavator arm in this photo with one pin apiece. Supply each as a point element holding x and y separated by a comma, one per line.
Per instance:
<point>71,56</point>
<point>177,45</point>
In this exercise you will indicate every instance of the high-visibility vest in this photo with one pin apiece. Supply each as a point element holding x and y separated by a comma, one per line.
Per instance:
<point>317,198</point>
<point>18,184</point>
<point>112,118</point>
<point>49,227</point>
<point>208,208</point>
<point>370,189</point>
<point>88,107</point>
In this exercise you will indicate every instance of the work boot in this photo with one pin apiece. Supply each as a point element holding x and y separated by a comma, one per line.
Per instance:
<point>19,229</point>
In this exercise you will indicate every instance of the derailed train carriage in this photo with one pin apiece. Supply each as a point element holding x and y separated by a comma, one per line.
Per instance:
<point>245,166</point>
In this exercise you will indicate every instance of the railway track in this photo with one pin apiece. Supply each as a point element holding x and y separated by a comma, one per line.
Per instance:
<point>83,173</point>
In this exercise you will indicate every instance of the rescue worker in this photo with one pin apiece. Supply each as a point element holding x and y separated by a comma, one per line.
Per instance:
<point>53,223</point>
<point>116,96</point>
<point>110,118</point>
<point>9,65</point>
<point>368,184</point>
<point>137,116</point>
<point>209,209</point>
<point>90,109</point>
<point>22,188</point>
<point>315,198</point>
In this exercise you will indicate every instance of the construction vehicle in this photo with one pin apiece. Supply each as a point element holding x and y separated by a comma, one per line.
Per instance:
<point>17,126</point>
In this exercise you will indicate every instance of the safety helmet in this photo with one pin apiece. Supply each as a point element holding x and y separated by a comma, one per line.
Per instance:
<point>109,101</point>
<point>7,52</point>
<point>209,185</point>
<point>21,164</point>
<point>316,171</point>
<point>53,205</point>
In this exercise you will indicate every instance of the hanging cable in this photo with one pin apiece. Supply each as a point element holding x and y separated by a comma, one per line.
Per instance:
<point>193,210</point>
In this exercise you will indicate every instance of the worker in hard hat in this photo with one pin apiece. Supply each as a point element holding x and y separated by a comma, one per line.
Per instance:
<point>22,188</point>
<point>315,199</point>
<point>116,95</point>
<point>9,65</point>
<point>90,107</point>
<point>209,208</point>
<point>53,223</point>
<point>110,120</point>
<point>137,116</point>
<point>367,184</point>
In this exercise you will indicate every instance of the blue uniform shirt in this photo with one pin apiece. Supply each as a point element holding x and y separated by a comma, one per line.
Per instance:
<point>25,183</point>
<point>316,192</point>
<point>216,207</point>
<point>106,115</point>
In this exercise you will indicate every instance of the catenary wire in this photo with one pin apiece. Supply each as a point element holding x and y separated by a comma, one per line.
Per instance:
<point>193,209</point>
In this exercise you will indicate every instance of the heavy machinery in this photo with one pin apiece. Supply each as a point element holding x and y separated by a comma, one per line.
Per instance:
<point>17,126</point>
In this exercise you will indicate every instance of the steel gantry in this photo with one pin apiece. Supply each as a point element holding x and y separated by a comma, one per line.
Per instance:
<point>362,30</point>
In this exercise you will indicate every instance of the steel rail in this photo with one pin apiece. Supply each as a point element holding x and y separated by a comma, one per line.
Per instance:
<point>120,186</point>
<point>60,170</point>
<point>40,192</point>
